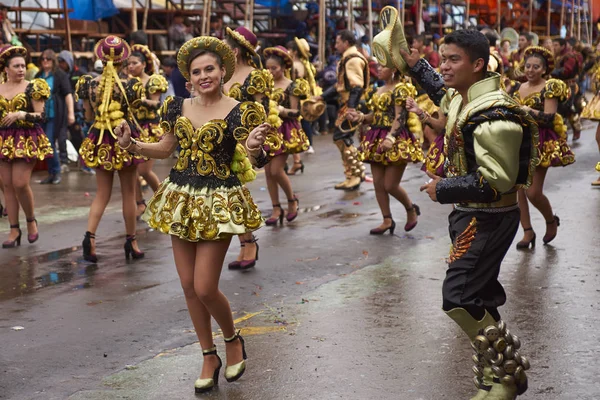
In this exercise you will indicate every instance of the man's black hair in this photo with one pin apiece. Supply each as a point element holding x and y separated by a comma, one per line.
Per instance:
<point>492,38</point>
<point>347,36</point>
<point>138,37</point>
<point>560,41</point>
<point>473,42</point>
<point>170,62</point>
<point>527,36</point>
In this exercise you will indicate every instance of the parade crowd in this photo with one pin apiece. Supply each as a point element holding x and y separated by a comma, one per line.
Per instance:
<point>484,118</point>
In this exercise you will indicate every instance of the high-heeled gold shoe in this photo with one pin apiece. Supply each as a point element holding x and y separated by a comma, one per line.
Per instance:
<point>235,372</point>
<point>205,385</point>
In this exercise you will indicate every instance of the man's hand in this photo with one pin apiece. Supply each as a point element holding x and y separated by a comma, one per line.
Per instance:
<point>430,186</point>
<point>411,58</point>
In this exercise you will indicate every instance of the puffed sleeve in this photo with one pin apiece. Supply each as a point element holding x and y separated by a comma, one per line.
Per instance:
<point>82,88</point>
<point>497,147</point>
<point>402,91</point>
<point>252,114</point>
<point>38,90</point>
<point>261,82</point>
<point>134,89</point>
<point>169,112</point>
<point>157,84</point>
<point>301,88</point>
<point>556,89</point>
<point>355,72</point>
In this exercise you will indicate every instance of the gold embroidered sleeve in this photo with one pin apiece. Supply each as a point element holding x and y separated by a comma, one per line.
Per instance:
<point>157,84</point>
<point>556,89</point>
<point>301,89</point>
<point>38,89</point>
<point>235,92</point>
<point>261,82</point>
<point>354,72</point>
<point>497,146</point>
<point>402,91</point>
<point>82,88</point>
<point>252,114</point>
<point>135,90</point>
<point>166,112</point>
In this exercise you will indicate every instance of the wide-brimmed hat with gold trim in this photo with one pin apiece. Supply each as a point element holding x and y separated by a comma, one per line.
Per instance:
<point>210,44</point>
<point>140,48</point>
<point>312,109</point>
<point>9,51</point>
<point>303,47</point>
<point>542,52</point>
<point>112,48</point>
<point>282,52</point>
<point>244,37</point>
<point>387,44</point>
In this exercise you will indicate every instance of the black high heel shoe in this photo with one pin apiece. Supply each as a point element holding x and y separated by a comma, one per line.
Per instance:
<point>87,247</point>
<point>294,169</point>
<point>523,244</point>
<point>381,231</point>
<point>9,244</point>
<point>1,210</point>
<point>409,227</point>
<point>130,251</point>
<point>206,385</point>
<point>273,221</point>
<point>548,238</point>
<point>292,216</point>
<point>36,236</point>
<point>235,372</point>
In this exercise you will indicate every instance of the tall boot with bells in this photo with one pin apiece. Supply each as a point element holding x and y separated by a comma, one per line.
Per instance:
<point>483,370</point>
<point>349,160</point>
<point>499,369</point>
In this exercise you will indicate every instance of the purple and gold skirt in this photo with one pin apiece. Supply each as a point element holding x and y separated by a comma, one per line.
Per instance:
<point>435,158</point>
<point>101,150</point>
<point>554,150</point>
<point>294,140</point>
<point>405,149</point>
<point>29,144</point>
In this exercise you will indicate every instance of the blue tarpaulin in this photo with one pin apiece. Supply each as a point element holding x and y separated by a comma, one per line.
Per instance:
<point>272,3</point>
<point>91,10</point>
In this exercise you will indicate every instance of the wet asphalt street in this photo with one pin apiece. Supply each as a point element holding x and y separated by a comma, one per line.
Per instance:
<point>330,312</point>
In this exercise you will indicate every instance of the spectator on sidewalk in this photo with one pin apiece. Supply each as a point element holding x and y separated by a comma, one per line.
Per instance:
<point>59,110</point>
<point>179,33</point>
<point>66,62</point>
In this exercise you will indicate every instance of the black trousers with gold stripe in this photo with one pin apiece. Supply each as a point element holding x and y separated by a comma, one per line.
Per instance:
<point>480,240</point>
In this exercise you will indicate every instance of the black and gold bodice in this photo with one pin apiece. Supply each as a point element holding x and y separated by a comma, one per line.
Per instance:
<point>383,105</point>
<point>207,152</point>
<point>142,112</point>
<point>298,87</point>
<point>259,81</point>
<point>553,89</point>
<point>37,90</point>
<point>122,95</point>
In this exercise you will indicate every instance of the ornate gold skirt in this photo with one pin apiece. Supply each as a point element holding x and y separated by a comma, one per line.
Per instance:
<point>195,214</point>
